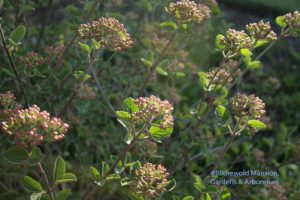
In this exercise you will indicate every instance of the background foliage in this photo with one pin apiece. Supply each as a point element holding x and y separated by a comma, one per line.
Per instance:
<point>195,145</point>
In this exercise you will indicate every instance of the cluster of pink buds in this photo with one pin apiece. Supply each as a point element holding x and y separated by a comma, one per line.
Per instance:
<point>150,180</point>
<point>7,99</point>
<point>293,22</point>
<point>219,76</point>
<point>186,10</point>
<point>8,105</point>
<point>31,127</point>
<point>247,106</point>
<point>235,40</point>
<point>261,30</point>
<point>31,60</point>
<point>151,108</point>
<point>109,32</point>
<point>55,50</point>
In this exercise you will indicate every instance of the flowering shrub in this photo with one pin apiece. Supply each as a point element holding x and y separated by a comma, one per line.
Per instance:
<point>148,100</point>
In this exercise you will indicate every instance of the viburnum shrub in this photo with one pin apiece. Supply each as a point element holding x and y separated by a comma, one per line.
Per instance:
<point>148,109</point>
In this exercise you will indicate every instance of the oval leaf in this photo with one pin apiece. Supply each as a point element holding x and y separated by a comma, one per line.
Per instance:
<point>15,155</point>
<point>30,184</point>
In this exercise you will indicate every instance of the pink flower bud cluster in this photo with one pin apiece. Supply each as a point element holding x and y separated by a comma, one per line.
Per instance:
<point>221,77</point>
<point>151,108</point>
<point>109,32</point>
<point>247,106</point>
<point>150,180</point>
<point>235,40</point>
<point>55,50</point>
<point>186,10</point>
<point>86,92</point>
<point>261,30</point>
<point>31,60</point>
<point>31,127</point>
<point>293,21</point>
<point>7,99</point>
<point>8,106</point>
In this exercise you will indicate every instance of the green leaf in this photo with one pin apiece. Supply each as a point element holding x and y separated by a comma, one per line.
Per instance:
<point>146,62</point>
<point>63,194</point>
<point>37,196</point>
<point>169,24</point>
<point>254,64</point>
<point>30,184</point>
<point>246,52</point>
<point>157,133</point>
<point>96,176</point>
<point>59,168</point>
<point>260,43</point>
<point>161,72</point>
<point>81,76</point>
<point>222,113</point>
<point>219,44</point>
<point>188,198</point>
<point>67,177</point>
<point>225,195</point>
<point>163,64</point>
<point>104,169</point>
<point>85,47</point>
<point>205,196</point>
<point>15,155</point>
<point>256,124</point>
<point>119,168</point>
<point>113,177</point>
<point>125,181</point>
<point>198,183</point>
<point>211,189</point>
<point>35,156</point>
<point>96,44</point>
<point>171,185</point>
<point>128,138</point>
<point>129,105</point>
<point>123,115</point>
<point>18,34</point>
<point>203,80</point>
<point>280,20</point>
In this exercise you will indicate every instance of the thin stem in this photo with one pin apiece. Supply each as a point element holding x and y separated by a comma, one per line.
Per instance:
<point>13,66</point>
<point>154,66</point>
<point>225,58</point>
<point>48,187</point>
<point>124,152</point>
<point>100,88</point>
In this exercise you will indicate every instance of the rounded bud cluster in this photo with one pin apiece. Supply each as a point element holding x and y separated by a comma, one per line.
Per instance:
<point>186,10</point>
<point>86,92</point>
<point>31,60</point>
<point>151,108</point>
<point>293,21</point>
<point>235,40</point>
<point>31,127</point>
<point>109,32</point>
<point>55,50</point>
<point>150,180</point>
<point>7,99</point>
<point>261,30</point>
<point>8,105</point>
<point>222,76</point>
<point>247,106</point>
